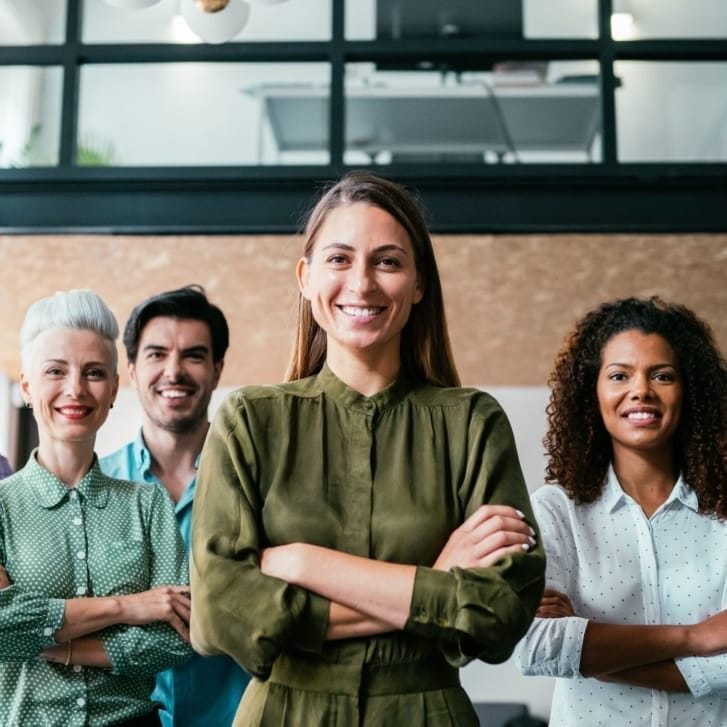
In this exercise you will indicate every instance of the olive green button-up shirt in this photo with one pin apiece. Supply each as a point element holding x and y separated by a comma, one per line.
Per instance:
<point>103,537</point>
<point>386,477</point>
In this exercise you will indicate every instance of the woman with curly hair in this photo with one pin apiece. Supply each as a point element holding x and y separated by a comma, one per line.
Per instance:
<point>632,522</point>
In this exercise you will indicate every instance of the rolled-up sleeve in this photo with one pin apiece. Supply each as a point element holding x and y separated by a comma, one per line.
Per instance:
<point>157,646</point>
<point>483,612</point>
<point>237,610</point>
<point>553,646</point>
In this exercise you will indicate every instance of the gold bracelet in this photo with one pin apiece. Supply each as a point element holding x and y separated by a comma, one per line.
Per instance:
<point>69,652</point>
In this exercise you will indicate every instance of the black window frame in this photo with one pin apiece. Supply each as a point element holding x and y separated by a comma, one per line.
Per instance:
<point>605,196</point>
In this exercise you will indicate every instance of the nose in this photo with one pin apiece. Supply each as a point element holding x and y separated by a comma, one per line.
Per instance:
<point>642,387</point>
<point>173,366</point>
<point>362,278</point>
<point>74,386</point>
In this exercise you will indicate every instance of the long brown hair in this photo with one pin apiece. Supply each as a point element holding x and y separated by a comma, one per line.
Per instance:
<point>426,354</point>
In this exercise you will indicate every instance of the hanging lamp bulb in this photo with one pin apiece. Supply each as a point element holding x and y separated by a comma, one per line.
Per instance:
<point>215,21</point>
<point>132,4</point>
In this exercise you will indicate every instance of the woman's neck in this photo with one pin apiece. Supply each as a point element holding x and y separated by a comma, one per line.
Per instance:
<point>648,477</point>
<point>366,374</point>
<point>68,461</point>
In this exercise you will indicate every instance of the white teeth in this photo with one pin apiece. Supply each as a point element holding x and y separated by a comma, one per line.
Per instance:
<point>72,410</point>
<point>356,312</point>
<point>641,415</point>
<point>173,394</point>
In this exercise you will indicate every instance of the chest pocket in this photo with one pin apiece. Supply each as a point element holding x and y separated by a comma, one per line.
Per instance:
<point>123,568</point>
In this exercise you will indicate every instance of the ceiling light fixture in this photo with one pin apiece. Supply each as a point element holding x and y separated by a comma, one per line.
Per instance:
<point>622,26</point>
<point>215,21</point>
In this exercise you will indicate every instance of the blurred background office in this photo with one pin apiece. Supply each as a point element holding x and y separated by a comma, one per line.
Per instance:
<point>568,152</point>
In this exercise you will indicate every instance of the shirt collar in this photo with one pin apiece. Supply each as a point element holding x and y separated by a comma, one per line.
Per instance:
<point>51,491</point>
<point>614,496</point>
<point>345,395</point>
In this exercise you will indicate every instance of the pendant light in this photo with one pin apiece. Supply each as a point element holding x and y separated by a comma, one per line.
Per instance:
<point>215,21</point>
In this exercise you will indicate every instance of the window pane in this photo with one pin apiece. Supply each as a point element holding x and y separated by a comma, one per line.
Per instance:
<point>518,113</point>
<point>670,19</point>
<point>195,114</point>
<point>32,22</point>
<point>369,19</point>
<point>162,23</point>
<point>671,111</point>
<point>30,115</point>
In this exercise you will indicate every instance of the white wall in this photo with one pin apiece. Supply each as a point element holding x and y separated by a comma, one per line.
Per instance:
<point>525,406</point>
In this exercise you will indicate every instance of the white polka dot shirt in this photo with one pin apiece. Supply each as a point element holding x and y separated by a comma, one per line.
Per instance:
<point>618,566</point>
<point>103,537</point>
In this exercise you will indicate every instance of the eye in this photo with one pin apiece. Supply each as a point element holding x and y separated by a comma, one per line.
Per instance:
<point>96,374</point>
<point>617,376</point>
<point>336,259</point>
<point>390,262</point>
<point>54,371</point>
<point>153,355</point>
<point>665,377</point>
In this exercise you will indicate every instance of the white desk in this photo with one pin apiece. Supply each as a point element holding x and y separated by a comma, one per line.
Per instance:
<point>460,119</point>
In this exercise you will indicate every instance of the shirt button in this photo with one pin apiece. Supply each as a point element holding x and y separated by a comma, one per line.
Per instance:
<point>81,590</point>
<point>77,668</point>
<point>77,521</point>
<point>73,495</point>
<point>80,555</point>
<point>47,631</point>
<point>81,702</point>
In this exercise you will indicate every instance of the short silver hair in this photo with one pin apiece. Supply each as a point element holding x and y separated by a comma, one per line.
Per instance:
<point>78,309</point>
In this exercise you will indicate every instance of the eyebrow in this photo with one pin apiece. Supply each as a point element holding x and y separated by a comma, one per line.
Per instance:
<point>192,349</point>
<point>381,248</point>
<point>630,366</point>
<point>63,361</point>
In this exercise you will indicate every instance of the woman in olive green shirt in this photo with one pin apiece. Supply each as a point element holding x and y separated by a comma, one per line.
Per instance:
<point>86,613</point>
<point>363,530</point>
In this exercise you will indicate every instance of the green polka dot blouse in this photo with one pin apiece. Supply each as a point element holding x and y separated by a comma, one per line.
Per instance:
<point>104,537</point>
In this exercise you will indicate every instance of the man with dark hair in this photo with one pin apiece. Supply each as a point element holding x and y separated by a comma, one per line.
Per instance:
<point>175,344</point>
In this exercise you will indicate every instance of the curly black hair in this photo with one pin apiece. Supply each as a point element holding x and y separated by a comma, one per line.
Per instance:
<point>577,444</point>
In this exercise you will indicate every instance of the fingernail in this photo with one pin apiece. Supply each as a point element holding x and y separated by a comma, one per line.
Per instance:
<point>532,541</point>
<point>532,532</point>
<point>520,514</point>
<point>526,546</point>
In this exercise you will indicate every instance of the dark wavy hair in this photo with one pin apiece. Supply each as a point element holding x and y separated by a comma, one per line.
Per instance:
<point>577,444</point>
<point>187,303</point>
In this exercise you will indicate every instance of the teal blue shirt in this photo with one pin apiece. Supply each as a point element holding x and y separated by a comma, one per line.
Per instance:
<point>205,691</point>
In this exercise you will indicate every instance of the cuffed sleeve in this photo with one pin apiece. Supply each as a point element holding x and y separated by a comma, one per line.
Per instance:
<point>28,621</point>
<point>553,646</point>
<point>483,612</point>
<point>144,650</point>
<point>237,609</point>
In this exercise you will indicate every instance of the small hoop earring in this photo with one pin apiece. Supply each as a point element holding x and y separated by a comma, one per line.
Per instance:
<point>112,405</point>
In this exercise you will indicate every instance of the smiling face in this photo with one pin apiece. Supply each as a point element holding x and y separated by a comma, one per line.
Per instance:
<point>640,392</point>
<point>174,373</point>
<point>361,280</point>
<point>71,384</point>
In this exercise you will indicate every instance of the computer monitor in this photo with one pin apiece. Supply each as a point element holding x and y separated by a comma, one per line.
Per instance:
<point>401,19</point>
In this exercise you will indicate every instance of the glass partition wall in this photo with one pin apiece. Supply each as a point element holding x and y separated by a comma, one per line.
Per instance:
<point>423,90</point>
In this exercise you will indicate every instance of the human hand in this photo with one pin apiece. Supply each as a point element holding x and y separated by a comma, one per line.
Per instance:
<point>554,604</point>
<point>487,535</point>
<point>4,578</point>
<point>164,603</point>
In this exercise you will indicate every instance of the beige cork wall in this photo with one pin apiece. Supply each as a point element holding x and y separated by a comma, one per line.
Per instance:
<point>510,298</point>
